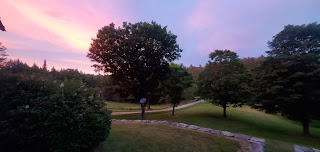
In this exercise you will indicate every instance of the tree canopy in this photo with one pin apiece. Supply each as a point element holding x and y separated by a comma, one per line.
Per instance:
<point>224,80</point>
<point>295,39</point>
<point>136,55</point>
<point>252,63</point>
<point>288,80</point>
<point>195,71</point>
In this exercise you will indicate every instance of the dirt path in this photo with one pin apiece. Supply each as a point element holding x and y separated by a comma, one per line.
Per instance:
<point>161,110</point>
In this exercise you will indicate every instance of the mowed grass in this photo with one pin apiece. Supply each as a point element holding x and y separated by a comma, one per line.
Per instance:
<point>123,106</point>
<point>280,133</point>
<point>138,137</point>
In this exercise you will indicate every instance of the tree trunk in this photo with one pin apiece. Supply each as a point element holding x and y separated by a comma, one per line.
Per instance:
<point>148,103</point>
<point>305,125</point>
<point>174,105</point>
<point>224,110</point>
<point>142,112</point>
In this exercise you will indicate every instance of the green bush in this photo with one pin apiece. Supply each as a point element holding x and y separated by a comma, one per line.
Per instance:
<point>41,116</point>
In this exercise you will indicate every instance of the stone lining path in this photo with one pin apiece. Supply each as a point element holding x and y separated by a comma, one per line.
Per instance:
<point>298,148</point>
<point>256,144</point>
<point>161,110</point>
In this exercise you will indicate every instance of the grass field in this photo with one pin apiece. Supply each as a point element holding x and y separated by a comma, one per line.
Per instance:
<point>137,137</point>
<point>122,106</point>
<point>280,133</point>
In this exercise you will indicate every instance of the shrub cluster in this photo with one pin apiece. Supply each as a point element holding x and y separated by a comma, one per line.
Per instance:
<point>42,115</point>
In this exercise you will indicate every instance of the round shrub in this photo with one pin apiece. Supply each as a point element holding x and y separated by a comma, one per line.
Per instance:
<point>42,116</point>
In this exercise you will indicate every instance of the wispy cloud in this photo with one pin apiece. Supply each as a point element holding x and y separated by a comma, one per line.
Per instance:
<point>57,27</point>
<point>70,25</point>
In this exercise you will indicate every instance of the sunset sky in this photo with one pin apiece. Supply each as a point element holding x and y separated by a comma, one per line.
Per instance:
<point>60,31</point>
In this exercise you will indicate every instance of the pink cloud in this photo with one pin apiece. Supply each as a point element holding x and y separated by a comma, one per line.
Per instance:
<point>19,25</point>
<point>208,15</point>
<point>13,45</point>
<point>53,29</point>
<point>77,62</point>
<point>198,18</point>
<point>67,24</point>
<point>227,24</point>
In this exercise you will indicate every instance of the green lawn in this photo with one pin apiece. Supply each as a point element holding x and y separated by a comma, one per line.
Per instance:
<point>122,106</point>
<point>280,133</point>
<point>138,137</point>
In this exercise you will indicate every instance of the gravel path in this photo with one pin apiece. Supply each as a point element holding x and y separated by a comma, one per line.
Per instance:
<point>161,110</point>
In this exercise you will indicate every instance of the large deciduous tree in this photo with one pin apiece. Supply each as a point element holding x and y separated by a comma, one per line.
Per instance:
<point>136,55</point>
<point>288,82</point>
<point>177,80</point>
<point>224,80</point>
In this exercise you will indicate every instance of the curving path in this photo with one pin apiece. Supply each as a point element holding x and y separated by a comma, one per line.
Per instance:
<point>161,110</point>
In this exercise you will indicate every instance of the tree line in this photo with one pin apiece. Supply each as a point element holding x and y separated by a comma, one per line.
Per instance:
<point>284,82</point>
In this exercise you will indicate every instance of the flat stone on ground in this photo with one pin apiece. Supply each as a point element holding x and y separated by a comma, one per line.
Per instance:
<point>163,122</point>
<point>315,150</point>
<point>242,136</point>
<point>204,129</point>
<point>218,132</point>
<point>153,121</point>
<point>255,139</point>
<point>182,125</point>
<point>193,127</point>
<point>257,147</point>
<point>173,124</point>
<point>302,149</point>
<point>226,133</point>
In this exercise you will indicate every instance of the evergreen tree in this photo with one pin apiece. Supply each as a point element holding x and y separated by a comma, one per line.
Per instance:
<point>44,66</point>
